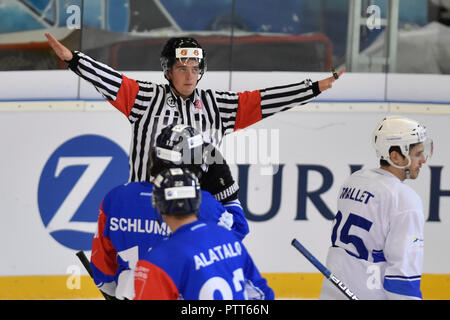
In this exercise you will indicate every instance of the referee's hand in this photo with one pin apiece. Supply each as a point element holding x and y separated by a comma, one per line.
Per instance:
<point>328,82</point>
<point>61,51</point>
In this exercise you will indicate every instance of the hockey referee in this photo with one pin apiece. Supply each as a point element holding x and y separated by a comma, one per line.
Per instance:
<point>150,106</point>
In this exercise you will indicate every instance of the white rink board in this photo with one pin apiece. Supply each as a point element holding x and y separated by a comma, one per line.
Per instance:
<point>64,84</point>
<point>334,141</point>
<point>329,140</point>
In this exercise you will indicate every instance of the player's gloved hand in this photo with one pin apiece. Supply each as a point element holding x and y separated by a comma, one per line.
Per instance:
<point>218,180</point>
<point>226,220</point>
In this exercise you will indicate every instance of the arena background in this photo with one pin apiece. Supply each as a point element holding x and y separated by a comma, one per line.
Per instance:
<point>63,147</point>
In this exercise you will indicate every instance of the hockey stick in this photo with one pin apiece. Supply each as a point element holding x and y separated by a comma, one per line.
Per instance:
<point>84,260</point>
<point>333,279</point>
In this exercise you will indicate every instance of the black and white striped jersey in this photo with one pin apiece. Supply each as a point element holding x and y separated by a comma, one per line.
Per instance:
<point>150,107</point>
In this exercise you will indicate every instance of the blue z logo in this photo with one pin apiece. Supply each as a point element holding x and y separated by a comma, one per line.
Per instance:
<point>73,183</point>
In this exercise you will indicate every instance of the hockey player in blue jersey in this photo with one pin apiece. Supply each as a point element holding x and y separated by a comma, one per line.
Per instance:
<point>128,225</point>
<point>200,260</point>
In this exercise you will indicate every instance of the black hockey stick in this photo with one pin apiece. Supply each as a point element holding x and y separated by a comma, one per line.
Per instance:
<point>84,260</point>
<point>331,277</point>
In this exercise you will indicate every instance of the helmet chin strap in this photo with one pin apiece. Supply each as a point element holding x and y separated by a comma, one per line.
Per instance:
<point>407,174</point>
<point>406,167</point>
<point>173,87</point>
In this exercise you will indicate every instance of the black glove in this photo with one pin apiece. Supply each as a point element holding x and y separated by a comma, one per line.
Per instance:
<point>218,180</point>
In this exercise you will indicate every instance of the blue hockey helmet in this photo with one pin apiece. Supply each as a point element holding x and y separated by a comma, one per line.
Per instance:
<point>176,191</point>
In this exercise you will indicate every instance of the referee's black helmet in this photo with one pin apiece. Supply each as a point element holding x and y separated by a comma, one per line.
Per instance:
<point>182,48</point>
<point>176,192</point>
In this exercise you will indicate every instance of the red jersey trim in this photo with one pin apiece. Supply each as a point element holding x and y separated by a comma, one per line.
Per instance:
<point>103,252</point>
<point>153,283</point>
<point>249,109</point>
<point>126,96</point>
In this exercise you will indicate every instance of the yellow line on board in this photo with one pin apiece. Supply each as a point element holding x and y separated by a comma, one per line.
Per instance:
<point>308,285</point>
<point>47,287</point>
<point>435,286</point>
<point>285,285</point>
<point>295,285</point>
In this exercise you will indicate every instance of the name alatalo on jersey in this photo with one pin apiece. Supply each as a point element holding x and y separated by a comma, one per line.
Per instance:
<point>218,253</point>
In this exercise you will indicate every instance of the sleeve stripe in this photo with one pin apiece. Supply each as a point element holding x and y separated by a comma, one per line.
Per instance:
<point>100,66</point>
<point>227,93</point>
<point>133,117</point>
<point>145,86</point>
<point>228,129</point>
<point>289,104</point>
<point>269,112</point>
<point>139,105</point>
<point>407,287</point>
<point>104,77</point>
<point>142,99</point>
<point>286,98</point>
<point>282,94</point>
<point>98,82</point>
<point>227,101</point>
<point>303,83</point>
<point>229,123</point>
<point>403,277</point>
<point>227,111</point>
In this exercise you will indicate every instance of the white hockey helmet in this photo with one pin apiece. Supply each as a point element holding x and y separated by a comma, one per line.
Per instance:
<point>402,132</point>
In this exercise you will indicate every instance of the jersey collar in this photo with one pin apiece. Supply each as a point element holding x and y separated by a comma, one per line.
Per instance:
<point>386,173</point>
<point>177,97</point>
<point>190,227</point>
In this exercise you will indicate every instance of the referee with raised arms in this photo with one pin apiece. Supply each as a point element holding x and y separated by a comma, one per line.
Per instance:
<point>150,106</point>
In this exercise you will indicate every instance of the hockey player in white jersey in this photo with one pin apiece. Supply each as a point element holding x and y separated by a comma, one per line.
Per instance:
<point>377,236</point>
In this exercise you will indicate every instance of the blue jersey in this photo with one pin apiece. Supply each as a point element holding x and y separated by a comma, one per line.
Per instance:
<point>128,226</point>
<point>200,261</point>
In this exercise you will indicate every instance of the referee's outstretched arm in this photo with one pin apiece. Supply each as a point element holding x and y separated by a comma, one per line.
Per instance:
<point>151,106</point>
<point>61,51</point>
<point>65,54</point>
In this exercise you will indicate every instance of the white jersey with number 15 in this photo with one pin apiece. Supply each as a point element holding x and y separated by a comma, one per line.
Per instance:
<point>377,238</point>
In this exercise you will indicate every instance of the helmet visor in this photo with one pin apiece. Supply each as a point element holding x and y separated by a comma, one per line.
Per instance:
<point>428,148</point>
